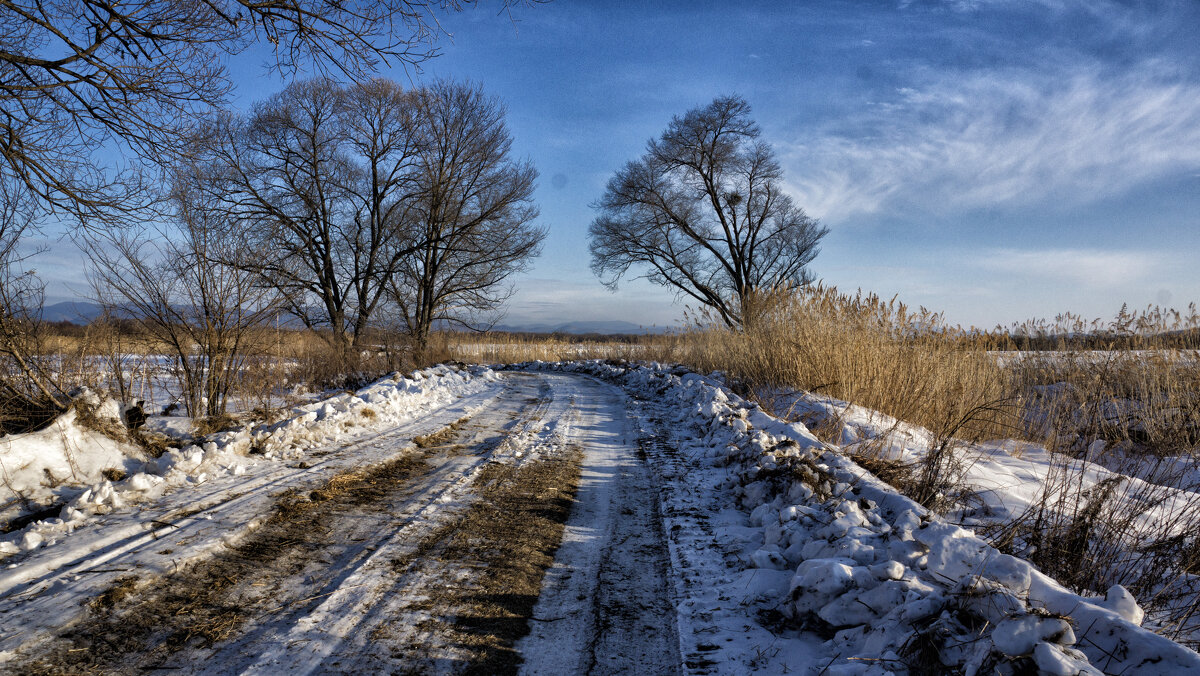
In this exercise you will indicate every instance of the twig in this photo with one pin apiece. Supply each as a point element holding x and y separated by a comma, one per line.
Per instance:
<point>314,597</point>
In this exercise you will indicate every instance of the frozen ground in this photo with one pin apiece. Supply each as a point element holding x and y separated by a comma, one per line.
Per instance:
<point>705,537</point>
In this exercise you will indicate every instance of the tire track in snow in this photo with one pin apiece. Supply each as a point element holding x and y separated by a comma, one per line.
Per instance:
<point>335,627</point>
<point>606,605</point>
<point>178,511</point>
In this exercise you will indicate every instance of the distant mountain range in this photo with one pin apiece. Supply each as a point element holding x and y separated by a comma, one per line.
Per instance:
<point>83,312</point>
<point>600,326</point>
<point>74,311</point>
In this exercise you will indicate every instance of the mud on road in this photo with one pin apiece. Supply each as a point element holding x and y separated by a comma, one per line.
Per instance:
<point>433,561</point>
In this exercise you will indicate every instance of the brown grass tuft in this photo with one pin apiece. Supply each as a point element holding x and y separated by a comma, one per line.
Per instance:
<point>441,436</point>
<point>113,473</point>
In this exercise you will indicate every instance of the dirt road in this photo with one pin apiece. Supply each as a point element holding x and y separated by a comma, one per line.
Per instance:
<point>438,558</point>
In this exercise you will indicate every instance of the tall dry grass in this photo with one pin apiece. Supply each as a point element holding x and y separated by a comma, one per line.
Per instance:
<point>1124,394</point>
<point>507,348</point>
<point>862,349</point>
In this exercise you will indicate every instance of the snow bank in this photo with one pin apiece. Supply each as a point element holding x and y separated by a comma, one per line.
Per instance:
<point>66,463</point>
<point>892,584</point>
<point>1009,475</point>
<point>41,469</point>
<point>1155,499</point>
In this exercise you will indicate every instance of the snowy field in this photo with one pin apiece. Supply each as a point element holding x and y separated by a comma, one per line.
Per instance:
<point>706,537</point>
<point>486,351</point>
<point>155,380</point>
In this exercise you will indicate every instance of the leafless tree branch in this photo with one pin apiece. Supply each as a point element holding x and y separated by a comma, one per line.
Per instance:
<point>702,212</point>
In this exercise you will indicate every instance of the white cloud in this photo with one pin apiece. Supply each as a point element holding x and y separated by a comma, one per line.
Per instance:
<point>976,5</point>
<point>1094,268</point>
<point>1074,134</point>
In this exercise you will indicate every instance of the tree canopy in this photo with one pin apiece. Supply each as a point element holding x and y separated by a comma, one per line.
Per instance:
<point>703,212</point>
<point>83,79</point>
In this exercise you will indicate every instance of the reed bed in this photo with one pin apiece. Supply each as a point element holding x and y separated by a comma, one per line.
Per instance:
<point>506,348</point>
<point>1123,394</point>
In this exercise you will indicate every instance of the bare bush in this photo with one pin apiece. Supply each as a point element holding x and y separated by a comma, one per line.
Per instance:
<point>1092,534</point>
<point>171,284</point>
<point>29,393</point>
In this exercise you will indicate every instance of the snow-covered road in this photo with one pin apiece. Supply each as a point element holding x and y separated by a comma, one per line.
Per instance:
<point>606,606</point>
<point>47,590</point>
<point>339,562</point>
<point>570,518</point>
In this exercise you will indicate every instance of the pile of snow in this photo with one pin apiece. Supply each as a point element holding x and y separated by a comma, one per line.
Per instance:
<point>1157,498</point>
<point>38,469</point>
<point>889,582</point>
<point>66,462</point>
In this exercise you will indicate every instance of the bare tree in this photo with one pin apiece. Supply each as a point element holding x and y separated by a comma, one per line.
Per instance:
<point>316,181</point>
<point>382,133</point>
<point>471,226</point>
<point>703,213</point>
<point>177,285</point>
<point>79,77</point>
<point>27,386</point>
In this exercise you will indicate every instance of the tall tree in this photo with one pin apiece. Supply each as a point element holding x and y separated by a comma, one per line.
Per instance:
<point>703,212</point>
<point>471,227</point>
<point>80,77</point>
<point>316,180</point>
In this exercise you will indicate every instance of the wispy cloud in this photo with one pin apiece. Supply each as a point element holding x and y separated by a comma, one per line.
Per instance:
<point>1093,268</point>
<point>975,5</point>
<point>1000,137</point>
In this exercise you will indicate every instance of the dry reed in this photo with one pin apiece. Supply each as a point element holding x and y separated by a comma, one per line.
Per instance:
<point>1125,394</point>
<point>860,349</point>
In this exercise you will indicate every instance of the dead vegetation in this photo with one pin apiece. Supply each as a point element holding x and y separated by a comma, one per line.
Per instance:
<point>142,621</point>
<point>1124,395</point>
<point>441,436</point>
<point>507,540</point>
<point>515,348</point>
<point>858,348</point>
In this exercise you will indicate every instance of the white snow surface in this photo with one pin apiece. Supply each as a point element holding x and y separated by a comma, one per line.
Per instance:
<point>39,468</point>
<point>807,534</point>
<point>1008,478</point>
<point>1009,474</point>
<point>189,501</point>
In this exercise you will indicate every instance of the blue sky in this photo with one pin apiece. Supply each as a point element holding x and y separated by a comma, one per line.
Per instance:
<point>993,159</point>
